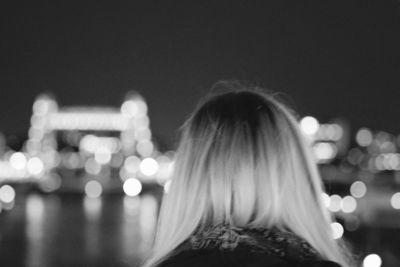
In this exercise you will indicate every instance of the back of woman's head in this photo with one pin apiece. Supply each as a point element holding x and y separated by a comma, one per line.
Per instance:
<point>242,160</point>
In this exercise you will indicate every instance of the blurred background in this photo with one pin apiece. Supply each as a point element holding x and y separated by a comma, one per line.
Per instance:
<point>92,95</point>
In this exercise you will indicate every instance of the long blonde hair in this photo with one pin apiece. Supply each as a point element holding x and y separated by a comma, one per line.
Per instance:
<point>243,160</point>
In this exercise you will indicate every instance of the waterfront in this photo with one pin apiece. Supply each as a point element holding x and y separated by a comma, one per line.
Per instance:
<point>71,230</point>
<point>66,229</point>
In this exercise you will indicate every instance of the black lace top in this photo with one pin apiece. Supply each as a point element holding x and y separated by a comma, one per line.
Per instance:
<point>225,245</point>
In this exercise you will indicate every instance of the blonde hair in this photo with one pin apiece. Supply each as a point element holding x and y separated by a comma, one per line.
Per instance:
<point>242,160</point>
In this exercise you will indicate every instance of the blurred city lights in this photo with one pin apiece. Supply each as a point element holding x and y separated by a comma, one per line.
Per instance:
<point>50,183</point>
<point>132,187</point>
<point>102,155</point>
<point>145,148</point>
<point>92,166</point>
<point>358,189</point>
<point>50,158</point>
<point>143,134</point>
<point>372,260</point>
<point>88,120</point>
<point>395,200</point>
<point>337,230</point>
<point>7,194</point>
<point>38,121</point>
<point>326,199</point>
<point>117,160</point>
<point>72,160</point>
<point>123,174</point>
<point>349,204</point>
<point>309,125</point>
<point>364,137</point>
<point>142,107</point>
<point>132,164</point>
<point>132,151</point>
<point>8,172</point>
<point>43,105</point>
<point>89,143</point>
<point>334,132</point>
<point>93,189</point>
<point>142,122</point>
<point>129,108</point>
<point>18,160</point>
<point>166,166</point>
<point>387,147</point>
<point>394,161</point>
<point>35,166</point>
<point>335,203</point>
<point>325,151</point>
<point>149,166</point>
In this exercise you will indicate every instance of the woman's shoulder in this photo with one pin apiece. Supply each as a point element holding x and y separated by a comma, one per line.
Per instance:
<point>224,245</point>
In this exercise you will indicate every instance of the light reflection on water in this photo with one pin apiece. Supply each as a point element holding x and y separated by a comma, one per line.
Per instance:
<point>130,236</point>
<point>59,230</point>
<point>92,208</point>
<point>118,231</point>
<point>35,231</point>
<point>147,221</point>
<point>40,226</point>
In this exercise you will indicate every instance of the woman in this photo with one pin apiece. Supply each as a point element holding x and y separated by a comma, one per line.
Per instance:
<point>245,191</point>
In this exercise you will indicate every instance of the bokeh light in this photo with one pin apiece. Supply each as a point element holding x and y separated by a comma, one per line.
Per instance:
<point>35,166</point>
<point>71,160</point>
<point>364,137</point>
<point>7,194</point>
<point>149,166</point>
<point>143,134</point>
<point>141,107</point>
<point>372,260</point>
<point>337,230</point>
<point>18,160</point>
<point>92,166</point>
<point>325,151</point>
<point>358,189</point>
<point>131,164</point>
<point>89,143</point>
<point>334,132</point>
<point>349,204</point>
<point>102,155</point>
<point>326,200</point>
<point>335,203</point>
<point>395,201</point>
<point>132,187</point>
<point>309,125</point>
<point>129,108</point>
<point>166,166</point>
<point>50,183</point>
<point>93,189</point>
<point>145,148</point>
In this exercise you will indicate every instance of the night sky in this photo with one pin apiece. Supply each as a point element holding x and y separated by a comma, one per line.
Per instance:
<point>328,58</point>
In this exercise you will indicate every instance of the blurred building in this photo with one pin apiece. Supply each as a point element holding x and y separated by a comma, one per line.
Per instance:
<point>89,149</point>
